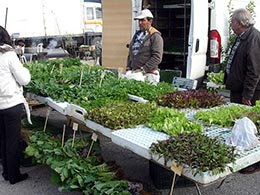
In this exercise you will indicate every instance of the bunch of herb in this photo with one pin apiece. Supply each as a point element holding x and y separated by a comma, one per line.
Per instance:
<point>171,122</point>
<point>223,116</point>
<point>119,116</point>
<point>197,151</point>
<point>191,99</point>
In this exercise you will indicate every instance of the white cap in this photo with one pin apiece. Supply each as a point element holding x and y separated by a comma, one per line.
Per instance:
<point>146,13</point>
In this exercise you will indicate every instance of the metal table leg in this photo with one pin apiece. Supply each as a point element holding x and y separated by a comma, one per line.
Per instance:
<point>197,188</point>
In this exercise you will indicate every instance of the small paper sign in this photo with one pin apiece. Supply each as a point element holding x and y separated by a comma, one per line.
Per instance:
<point>176,169</point>
<point>75,126</point>
<point>94,137</point>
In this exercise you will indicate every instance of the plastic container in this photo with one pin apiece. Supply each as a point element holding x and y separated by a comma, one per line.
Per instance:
<point>161,177</point>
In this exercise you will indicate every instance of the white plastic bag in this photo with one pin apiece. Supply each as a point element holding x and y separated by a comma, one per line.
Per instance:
<point>135,75</point>
<point>153,78</point>
<point>243,135</point>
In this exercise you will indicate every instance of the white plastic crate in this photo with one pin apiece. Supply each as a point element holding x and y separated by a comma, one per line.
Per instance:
<point>61,107</point>
<point>138,139</point>
<point>40,99</point>
<point>76,112</point>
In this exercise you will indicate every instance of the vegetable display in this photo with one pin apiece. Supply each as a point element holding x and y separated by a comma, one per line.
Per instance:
<point>191,99</point>
<point>87,86</point>
<point>197,151</point>
<point>225,116</point>
<point>171,122</point>
<point>73,169</point>
<point>119,116</point>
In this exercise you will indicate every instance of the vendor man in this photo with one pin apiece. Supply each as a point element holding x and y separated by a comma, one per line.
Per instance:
<point>146,48</point>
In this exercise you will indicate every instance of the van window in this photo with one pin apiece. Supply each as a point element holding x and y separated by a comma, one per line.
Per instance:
<point>90,13</point>
<point>98,13</point>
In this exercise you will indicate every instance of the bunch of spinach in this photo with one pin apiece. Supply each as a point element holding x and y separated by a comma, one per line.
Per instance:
<point>73,171</point>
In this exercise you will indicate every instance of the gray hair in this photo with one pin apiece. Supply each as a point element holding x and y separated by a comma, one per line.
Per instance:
<point>244,17</point>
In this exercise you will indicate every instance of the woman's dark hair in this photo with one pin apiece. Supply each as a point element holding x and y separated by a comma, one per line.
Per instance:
<point>5,37</point>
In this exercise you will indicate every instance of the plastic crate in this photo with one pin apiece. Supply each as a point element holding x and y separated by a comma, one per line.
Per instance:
<point>138,139</point>
<point>77,112</point>
<point>161,177</point>
<point>168,75</point>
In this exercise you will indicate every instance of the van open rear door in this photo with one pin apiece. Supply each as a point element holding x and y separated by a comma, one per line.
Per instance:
<point>198,39</point>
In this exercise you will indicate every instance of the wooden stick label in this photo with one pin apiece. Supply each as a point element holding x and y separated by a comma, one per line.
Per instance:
<point>176,169</point>
<point>75,126</point>
<point>94,137</point>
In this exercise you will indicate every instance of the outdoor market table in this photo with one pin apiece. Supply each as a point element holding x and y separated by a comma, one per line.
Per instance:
<point>139,140</point>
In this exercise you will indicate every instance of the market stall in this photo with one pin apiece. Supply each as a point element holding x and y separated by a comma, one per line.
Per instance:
<point>139,132</point>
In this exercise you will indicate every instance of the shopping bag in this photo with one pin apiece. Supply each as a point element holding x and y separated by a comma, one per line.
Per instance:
<point>243,134</point>
<point>135,75</point>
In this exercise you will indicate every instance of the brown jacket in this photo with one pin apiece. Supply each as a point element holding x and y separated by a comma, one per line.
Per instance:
<point>150,53</point>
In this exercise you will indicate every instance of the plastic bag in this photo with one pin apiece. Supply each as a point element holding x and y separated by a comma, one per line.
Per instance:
<point>243,135</point>
<point>153,78</point>
<point>135,75</point>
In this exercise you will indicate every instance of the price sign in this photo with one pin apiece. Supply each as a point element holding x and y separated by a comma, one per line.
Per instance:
<point>176,169</point>
<point>75,126</point>
<point>94,137</point>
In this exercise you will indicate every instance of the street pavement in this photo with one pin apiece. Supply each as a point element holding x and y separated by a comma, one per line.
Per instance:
<point>136,169</point>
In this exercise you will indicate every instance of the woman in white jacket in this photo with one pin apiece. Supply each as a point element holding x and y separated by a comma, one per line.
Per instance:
<point>13,77</point>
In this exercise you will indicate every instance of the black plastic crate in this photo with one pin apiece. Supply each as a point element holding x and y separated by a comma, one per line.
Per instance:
<point>162,177</point>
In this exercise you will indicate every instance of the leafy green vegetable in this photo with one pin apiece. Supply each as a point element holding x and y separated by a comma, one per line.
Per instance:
<point>171,121</point>
<point>63,84</point>
<point>191,99</point>
<point>119,116</point>
<point>198,151</point>
<point>73,171</point>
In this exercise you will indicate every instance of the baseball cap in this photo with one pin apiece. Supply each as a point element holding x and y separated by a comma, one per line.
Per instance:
<point>146,13</point>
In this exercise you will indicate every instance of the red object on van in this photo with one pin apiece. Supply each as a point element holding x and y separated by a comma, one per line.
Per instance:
<point>215,47</point>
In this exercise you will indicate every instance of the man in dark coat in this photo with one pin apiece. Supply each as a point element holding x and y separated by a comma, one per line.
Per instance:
<point>242,76</point>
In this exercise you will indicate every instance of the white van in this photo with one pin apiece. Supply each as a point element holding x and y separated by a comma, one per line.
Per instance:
<point>93,15</point>
<point>73,22</point>
<point>192,30</point>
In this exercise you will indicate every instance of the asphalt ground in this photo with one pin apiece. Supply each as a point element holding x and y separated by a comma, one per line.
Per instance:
<point>135,169</point>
